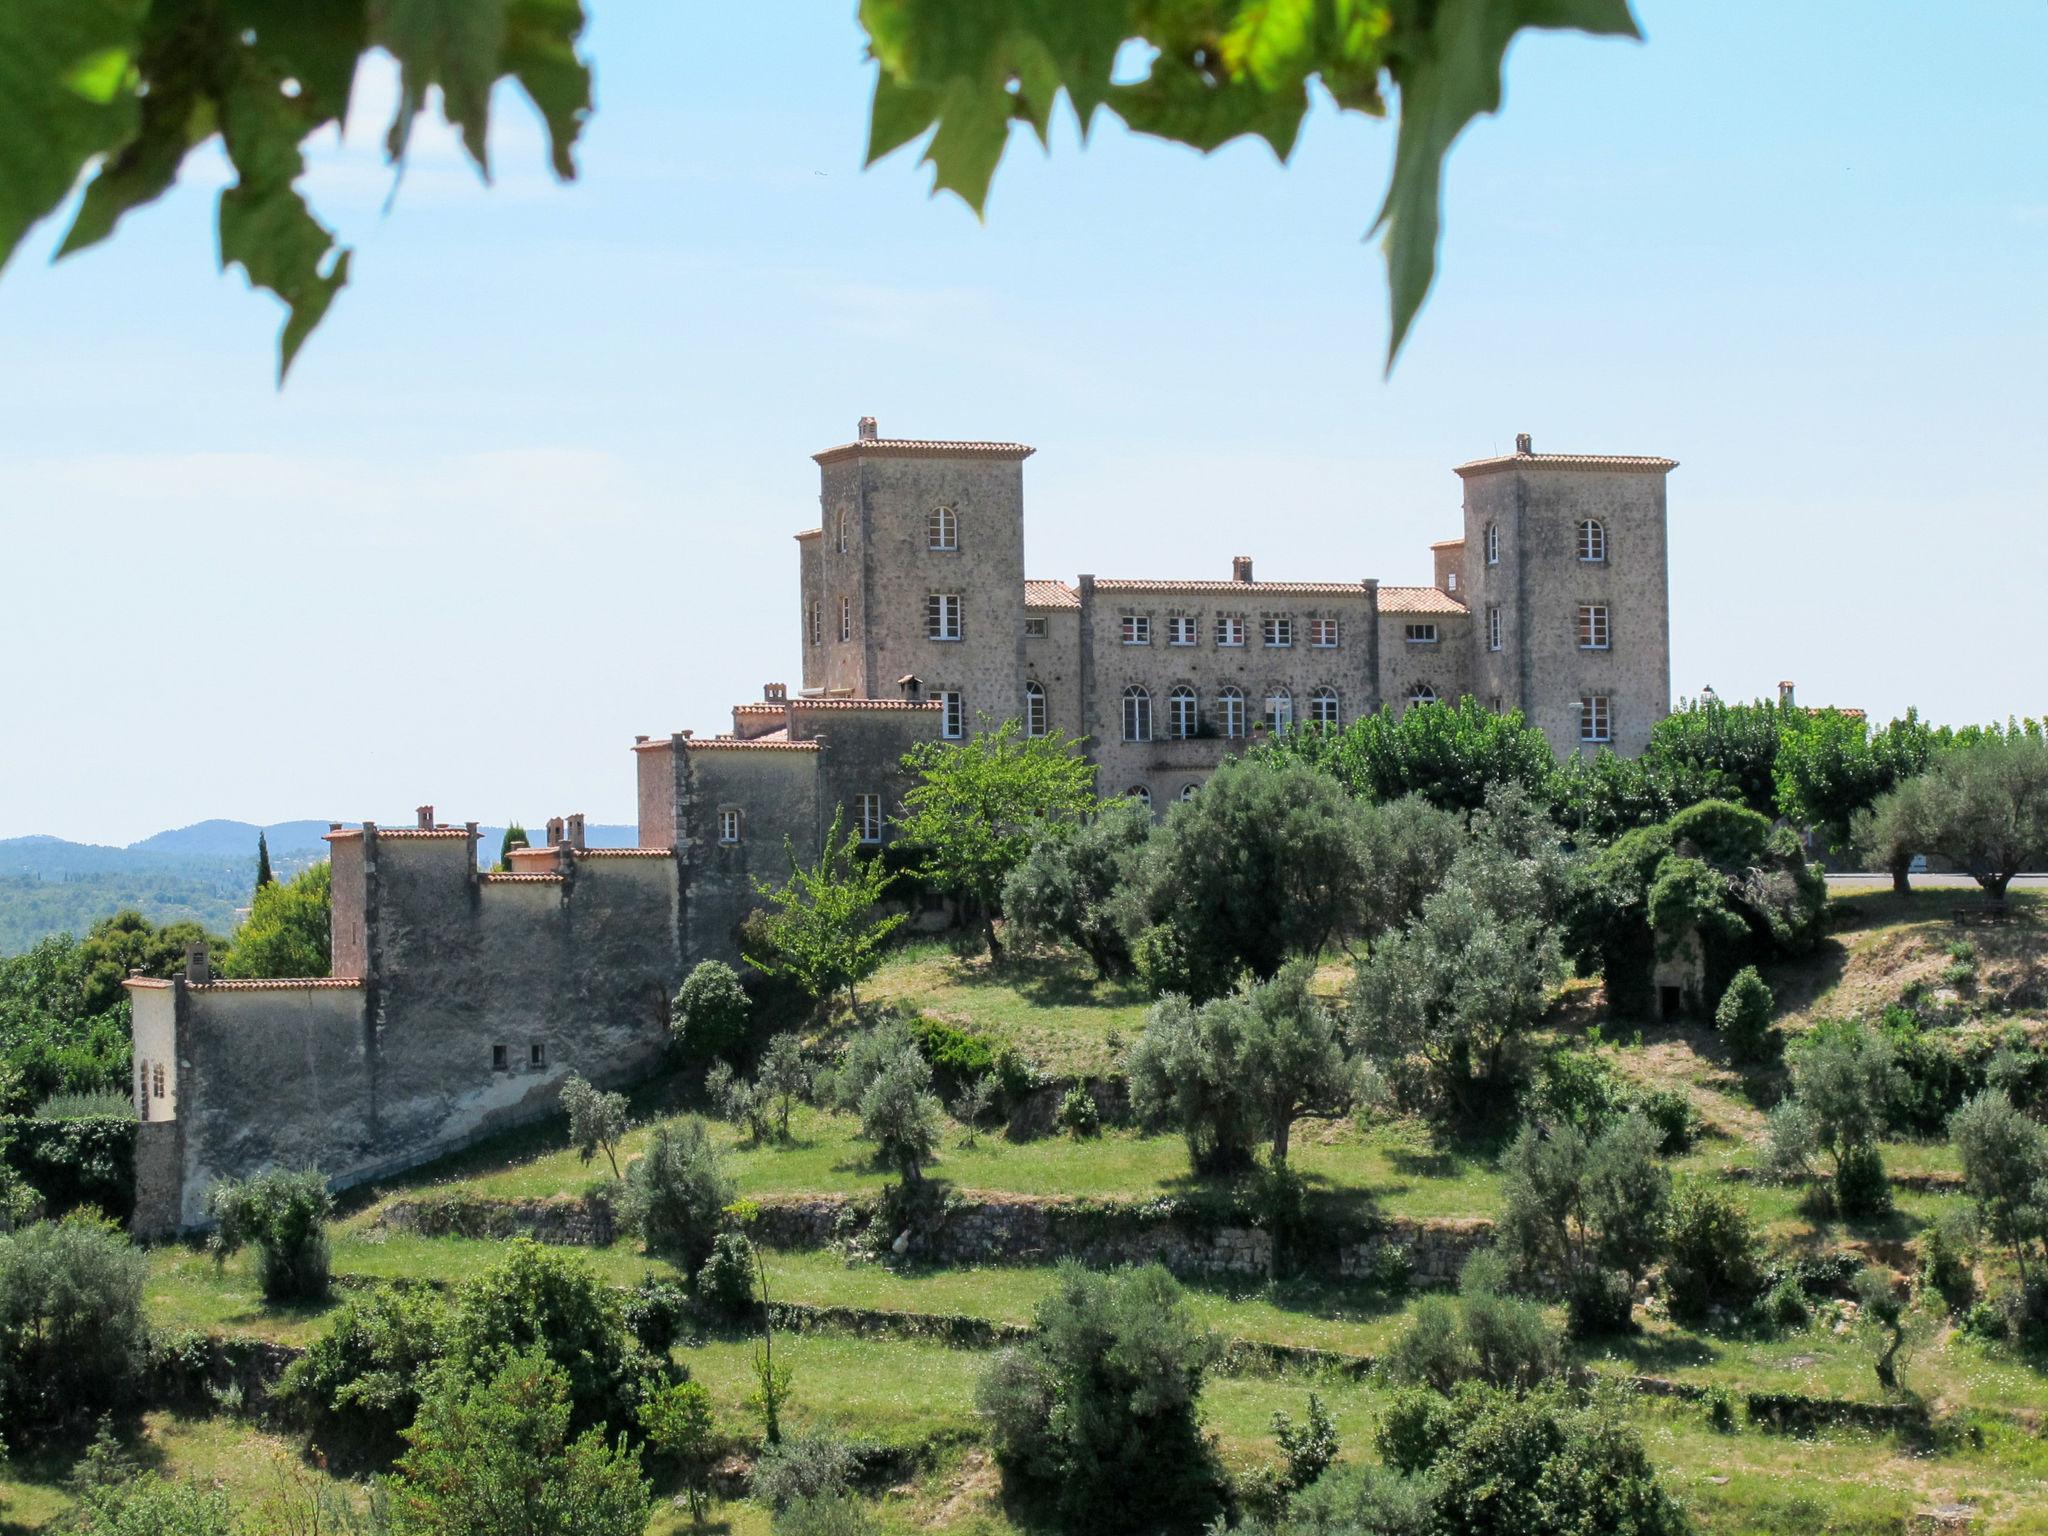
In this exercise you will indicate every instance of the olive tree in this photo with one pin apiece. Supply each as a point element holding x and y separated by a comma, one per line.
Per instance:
<point>1580,1210</point>
<point>1845,1078</point>
<point>597,1120</point>
<point>1983,805</point>
<point>1075,883</point>
<point>2005,1170</point>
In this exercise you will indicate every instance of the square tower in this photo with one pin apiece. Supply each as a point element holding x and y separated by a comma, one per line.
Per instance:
<point>1565,573</point>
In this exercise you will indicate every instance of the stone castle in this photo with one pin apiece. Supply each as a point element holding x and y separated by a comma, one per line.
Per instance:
<point>459,998</point>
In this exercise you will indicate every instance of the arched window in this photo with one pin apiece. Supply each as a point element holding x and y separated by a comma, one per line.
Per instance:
<point>842,533</point>
<point>1189,790</point>
<point>1493,543</point>
<point>1322,707</point>
<point>1279,710</point>
<point>942,529</point>
<point>1141,794</point>
<point>1230,711</point>
<point>1181,711</point>
<point>1592,540</point>
<point>1034,709</point>
<point>1421,693</point>
<point>1137,714</point>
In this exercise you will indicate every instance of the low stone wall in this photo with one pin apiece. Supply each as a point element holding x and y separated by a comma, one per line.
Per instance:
<point>567,1222</point>
<point>1434,1251</point>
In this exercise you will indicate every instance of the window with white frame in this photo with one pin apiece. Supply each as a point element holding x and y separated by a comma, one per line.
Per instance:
<point>1137,714</point>
<point>1034,709</point>
<point>1493,543</point>
<point>868,817</point>
<point>842,533</point>
<point>1182,712</point>
<point>942,529</point>
<point>817,623</point>
<point>1450,581</point>
<point>1230,629</point>
<point>1593,626</point>
<point>729,825</point>
<point>1278,631</point>
<point>1322,707</point>
<point>942,616</point>
<point>1189,790</point>
<point>1180,629</point>
<point>1322,634</point>
<point>1493,627</point>
<point>1596,719</point>
<point>1230,712</point>
<point>1421,693</point>
<point>1421,634</point>
<point>1034,629</point>
<point>845,618</point>
<point>1592,541</point>
<point>1137,629</point>
<point>952,713</point>
<point>1141,794</point>
<point>1279,711</point>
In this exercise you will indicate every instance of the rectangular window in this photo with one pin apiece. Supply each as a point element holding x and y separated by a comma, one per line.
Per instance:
<point>1493,628</point>
<point>817,624</point>
<point>1180,629</point>
<point>952,714</point>
<point>536,1055</point>
<point>728,825</point>
<point>1279,632</point>
<point>1592,626</point>
<point>498,1062</point>
<point>942,616</point>
<point>1322,634</point>
<point>1422,634</point>
<point>868,818</point>
<point>1034,629</point>
<point>1137,628</point>
<point>1596,723</point>
<point>1229,629</point>
<point>845,618</point>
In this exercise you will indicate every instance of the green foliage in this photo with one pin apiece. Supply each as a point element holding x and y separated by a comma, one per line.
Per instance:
<point>496,1455</point>
<point>737,1101</point>
<point>1831,767</point>
<point>597,1120</point>
<point>1582,1088</point>
<point>71,1323</point>
<point>1098,1412</point>
<point>1265,863</point>
<point>725,1283</point>
<point>1449,755</point>
<point>74,1164</point>
<point>1845,1078</point>
<point>289,929</point>
<point>784,1080</point>
<point>813,1465</point>
<point>1078,1114</point>
<point>1983,804</point>
<point>1861,1188</point>
<point>900,1114</point>
<point>2005,1170</point>
<point>972,1105</point>
<point>1309,1447</point>
<point>538,1298</point>
<point>820,928</point>
<point>515,837</point>
<point>835,1515</point>
<point>709,1015</point>
<point>263,872</point>
<point>359,1383</point>
<point>681,1430</point>
<point>284,1215</point>
<point>677,1192</point>
<point>1882,1319</point>
<point>1744,1018</point>
<point>1735,744</point>
<point>1486,1335</point>
<point>1075,884</point>
<point>1579,1209</point>
<point>978,806</point>
<point>1715,1254</point>
<point>1948,1258</point>
<point>118,1498</point>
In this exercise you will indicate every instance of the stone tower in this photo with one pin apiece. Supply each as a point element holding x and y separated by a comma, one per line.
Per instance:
<point>913,584</point>
<point>1565,575</point>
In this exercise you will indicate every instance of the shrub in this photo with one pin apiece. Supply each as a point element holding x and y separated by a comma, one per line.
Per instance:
<point>1672,1116</point>
<point>1721,1410</point>
<point>1948,1260</point>
<point>1413,1428</point>
<point>677,1192</point>
<point>284,1215</point>
<point>1309,1447</point>
<point>1861,1188</point>
<point>1079,1115</point>
<point>1598,1302</point>
<point>117,1498</point>
<point>1744,1018</point>
<point>1433,1351</point>
<point>1785,1306</point>
<point>75,1163</point>
<point>726,1282</point>
<point>1098,1411</point>
<point>1486,1335</point>
<point>1715,1255</point>
<point>900,1114</point>
<point>737,1101</point>
<point>813,1465</point>
<point>679,1426</point>
<point>971,1105</point>
<point>654,1313</point>
<point>784,1080</point>
<point>1574,1208</point>
<point>709,1015</point>
<point>597,1120</point>
<point>359,1382</point>
<point>71,1322</point>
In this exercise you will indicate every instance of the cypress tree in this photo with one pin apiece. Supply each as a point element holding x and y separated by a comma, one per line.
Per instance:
<point>515,837</point>
<point>263,875</point>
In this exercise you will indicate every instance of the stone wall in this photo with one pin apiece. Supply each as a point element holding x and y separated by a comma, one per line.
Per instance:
<point>1434,1251</point>
<point>564,1222</point>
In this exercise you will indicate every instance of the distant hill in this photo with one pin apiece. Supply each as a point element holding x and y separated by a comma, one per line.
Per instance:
<point>203,872</point>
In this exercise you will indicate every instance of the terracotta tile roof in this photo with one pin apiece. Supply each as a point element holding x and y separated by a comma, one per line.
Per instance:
<point>1050,594</point>
<point>1418,600</point>
<point>1565,461</point>
<point>652,744</point>
<point>863,704</point>
<point>735,744</point>
<point>495,875</point>
<point>922,448</point>
<point>625,853</point>
<point>384,832</point>
<point>759,709</point>
<point>1248,588</point>
<point>809,533</point>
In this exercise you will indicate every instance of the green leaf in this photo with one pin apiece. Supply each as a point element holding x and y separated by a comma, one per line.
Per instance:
<point>67,93</point>
<point>1449,72</point>
<point>540,53</point>
<point>455,44</point>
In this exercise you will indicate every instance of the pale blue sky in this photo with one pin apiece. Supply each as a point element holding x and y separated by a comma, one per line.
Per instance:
<point>531,487</point>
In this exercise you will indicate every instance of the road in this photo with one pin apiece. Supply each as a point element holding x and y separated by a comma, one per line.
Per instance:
<point>1934,882</point>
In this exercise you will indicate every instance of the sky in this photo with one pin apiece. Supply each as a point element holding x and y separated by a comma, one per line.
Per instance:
<point>530,489</point>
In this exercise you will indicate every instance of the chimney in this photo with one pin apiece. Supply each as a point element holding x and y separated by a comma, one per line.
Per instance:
<point>912,685</point>
<point>1241,568</point>
<point>1523,444</point>
<point>575,830</point>
<point>639,741</point>
<point>426,816</point>
<point>1784,695</point>
<point>868,430</point>
<point>198,964</point>
<point>775,693</point>
<point>554,830</point>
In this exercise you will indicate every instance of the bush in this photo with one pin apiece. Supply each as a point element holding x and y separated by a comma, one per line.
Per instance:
<point>1721,1410</point>
<point>117,1498</point>
<point>1433,1351</point>
<point>677,1192</point>
<point>1079,1115</point>
<point>680,1427</point>
<point>726,1282</point>
<point>284,1215</point>
<point>813,1465</point>
<point>1672,1116</point>
<point>709,1015</point>
<point>655,1311</point>
<point>71,1323</point>
<point>1098,1412</point>
<point>960,1057</point>
<point>1861,1188</point>
<point>1785,1306</point>
<point>900,1114</point>
<point>1486,1335</point>
<point>358,1384</point>
<point>1598,1302</point>
<point>1744,1018</point>
<point>75,1163</point>
<point>1309,1447</point>
<point>1948,1260</point>
<point>1715,1255</point>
